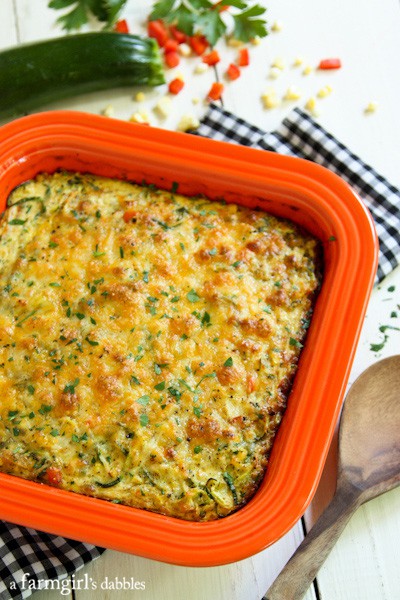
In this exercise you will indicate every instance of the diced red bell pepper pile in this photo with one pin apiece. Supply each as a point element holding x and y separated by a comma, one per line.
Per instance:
<point>169,38</point>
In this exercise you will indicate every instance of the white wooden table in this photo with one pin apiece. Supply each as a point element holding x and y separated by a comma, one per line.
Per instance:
<point>365,564</point>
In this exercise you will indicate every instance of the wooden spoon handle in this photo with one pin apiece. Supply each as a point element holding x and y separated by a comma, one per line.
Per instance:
<point>296,577</point>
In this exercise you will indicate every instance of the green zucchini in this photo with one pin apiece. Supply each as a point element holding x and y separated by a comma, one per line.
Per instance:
<point>32,75</point>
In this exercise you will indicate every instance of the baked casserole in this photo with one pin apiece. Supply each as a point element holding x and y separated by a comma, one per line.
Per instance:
<point>148,341</point>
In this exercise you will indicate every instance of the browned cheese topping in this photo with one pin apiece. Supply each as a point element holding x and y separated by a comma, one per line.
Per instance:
<point>148,341</point>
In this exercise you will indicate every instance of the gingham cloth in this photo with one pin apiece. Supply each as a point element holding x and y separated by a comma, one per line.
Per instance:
<point>29,557</point>
<point>299,135</point>
<point>48,557</point>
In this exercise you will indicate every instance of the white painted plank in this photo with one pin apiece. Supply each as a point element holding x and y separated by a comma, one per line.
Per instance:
<point>8,27</point>
<point>365,562</point>
<point>244,580</point>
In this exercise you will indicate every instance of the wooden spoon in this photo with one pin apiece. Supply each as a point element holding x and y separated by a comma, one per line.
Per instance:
<point>369,464</point>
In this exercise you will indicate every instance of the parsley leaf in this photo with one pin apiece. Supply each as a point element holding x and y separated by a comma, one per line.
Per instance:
<point>161,9</point>
<point>211,25</point>
<point>192,296</point>
<point>106,11</point>
<point>246,26</point>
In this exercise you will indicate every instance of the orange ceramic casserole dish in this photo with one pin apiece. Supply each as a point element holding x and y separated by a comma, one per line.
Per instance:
<point>292,188</point>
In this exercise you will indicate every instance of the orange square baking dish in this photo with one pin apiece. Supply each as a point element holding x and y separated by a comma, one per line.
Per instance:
<point>299,190</point>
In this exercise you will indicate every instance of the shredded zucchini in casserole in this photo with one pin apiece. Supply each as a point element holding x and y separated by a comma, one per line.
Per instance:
<point>148,341</point>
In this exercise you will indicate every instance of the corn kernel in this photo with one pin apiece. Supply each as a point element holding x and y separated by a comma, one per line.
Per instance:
<point>163,106</point>
<point>298,61</point>
<point>187,122</point>
<point>276,26</point>
<point>179,75</point>
<point>274,73</point>
<point>195,100</point>
<point>324,92</point>
<point>137,118</point>
<point>233,42</point>
<point>201,68</point>
<point>108,111</point>
<point>140,97</point>
<point>371,107</point>
<point>307,70</point>
<point>256,41</point>
<point>270,99</point>
<point>292,93</point>
<point>185,49</point>
<point>311,106</point>
<point>278,64</point>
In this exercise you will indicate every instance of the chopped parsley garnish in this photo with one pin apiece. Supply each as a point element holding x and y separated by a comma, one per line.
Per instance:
<point>143,400</point>
<point>175,393</point>
<point>31,389</point>
<point>197,449</point>
<point>197,411</point>
<point>70,387</point>
<point>160,386</point>
<point>294,342</point>
<point>206,319</point>
<point>144,420</point>
<point>17,222</point>
<point>228,362</point>
<point>192,296</point>
<point>97,252</point>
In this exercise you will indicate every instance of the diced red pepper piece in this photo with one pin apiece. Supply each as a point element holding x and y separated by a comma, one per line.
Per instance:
<point>170,46</point>
<point>172,59</point>
<point>233,72</point>
<point>179,36</point>
<point>216,90</point>
<point>158,31</point>
<point>129,215</point>
<point>176,85</point>
<point>330,63</point>
<point>212,58</point>
<point>121,26</point>
<point>54,476</point>
<point>244,57</point>
<point>198,43</point>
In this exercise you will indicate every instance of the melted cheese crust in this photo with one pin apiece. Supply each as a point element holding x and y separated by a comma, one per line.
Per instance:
<point>148,341</point>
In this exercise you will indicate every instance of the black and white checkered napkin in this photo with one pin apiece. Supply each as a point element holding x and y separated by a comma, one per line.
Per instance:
<point>27,556</point>
<point>29,560</point>
<point>299,135</point>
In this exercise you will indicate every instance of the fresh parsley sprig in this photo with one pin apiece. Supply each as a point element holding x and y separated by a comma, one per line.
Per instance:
<point>205,17</point>
<point>190,16</point>
<point>106,11</point>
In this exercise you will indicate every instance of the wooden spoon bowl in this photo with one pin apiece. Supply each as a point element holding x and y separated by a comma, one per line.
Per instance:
<point>369,464</point>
